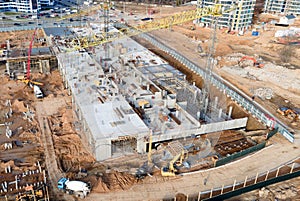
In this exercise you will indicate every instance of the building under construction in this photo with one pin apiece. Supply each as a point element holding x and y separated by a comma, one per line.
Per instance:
<point>135,98</point>
<point>282,6</point>
<point>237,20</point>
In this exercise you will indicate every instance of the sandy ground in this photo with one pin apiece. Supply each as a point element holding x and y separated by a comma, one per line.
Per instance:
<point>151,187</point>
<point>281,78</point>
<point>21,39</point>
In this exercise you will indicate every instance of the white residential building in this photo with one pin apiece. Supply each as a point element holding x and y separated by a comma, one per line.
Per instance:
<point>47,3</point>
<point>282,6</point>
<point>27,6</point>
<point>238,19</point>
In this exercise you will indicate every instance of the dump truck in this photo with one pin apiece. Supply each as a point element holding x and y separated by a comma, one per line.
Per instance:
<point>78,188</point>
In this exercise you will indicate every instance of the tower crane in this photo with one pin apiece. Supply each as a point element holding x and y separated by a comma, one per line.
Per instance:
<point>127,31</point>
<point>210,59</point>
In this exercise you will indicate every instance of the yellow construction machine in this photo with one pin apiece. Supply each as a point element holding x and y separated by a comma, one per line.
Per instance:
<point>170,170</point>
<point>289,113</point>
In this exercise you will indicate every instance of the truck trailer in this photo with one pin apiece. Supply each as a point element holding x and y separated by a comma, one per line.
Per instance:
<point>77,188</point>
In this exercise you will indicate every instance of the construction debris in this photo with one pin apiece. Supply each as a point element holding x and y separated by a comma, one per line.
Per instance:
<point>262,93</point>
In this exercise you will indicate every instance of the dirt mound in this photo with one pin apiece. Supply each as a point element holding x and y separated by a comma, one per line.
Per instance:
<point>101,187</point>
<point>18,106</point>
<point>3,165</point>
<point>117,181</point>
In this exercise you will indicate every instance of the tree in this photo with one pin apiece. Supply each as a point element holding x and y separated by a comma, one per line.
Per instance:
<point>286,53</point>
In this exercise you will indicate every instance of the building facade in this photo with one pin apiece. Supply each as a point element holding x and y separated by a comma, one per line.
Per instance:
<point>27,6</point>
<point>237,20</point>
<point>47,3</point>
<point>282,6</point>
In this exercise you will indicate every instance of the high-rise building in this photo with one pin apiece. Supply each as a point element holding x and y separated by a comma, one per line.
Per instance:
<point>238,19</point>
<point>27,6</point>
<point>282,6</point>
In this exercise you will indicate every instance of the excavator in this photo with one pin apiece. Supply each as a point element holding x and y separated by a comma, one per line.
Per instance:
<point>290,113</point>
<point>170,170</point>
<point>255,62</point>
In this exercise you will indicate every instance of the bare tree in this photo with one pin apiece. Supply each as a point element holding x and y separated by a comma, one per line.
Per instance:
<point>286,53</point>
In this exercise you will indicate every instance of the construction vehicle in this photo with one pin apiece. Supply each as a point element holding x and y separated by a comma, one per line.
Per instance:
<point>30,194</point>
<point>78,188</point>
<point>27,79</point>
<point>170,170</point>
<point>38,92</point>
<point>289,113</point>
<point>255,62</point>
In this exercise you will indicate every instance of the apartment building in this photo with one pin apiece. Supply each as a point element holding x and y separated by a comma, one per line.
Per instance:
<point>27,6</point>
<point>282,6</point>
<point>47,3</point>
<point>237,20</point>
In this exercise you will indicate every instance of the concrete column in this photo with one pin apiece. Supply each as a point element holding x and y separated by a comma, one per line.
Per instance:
<point>220,113</point>
<point>198,115</point>
<point>141,145</point>
<point>148,87</point>
<point>216,101</point>
<point>206,104</point>
<point>40,66</point>
<point>7,67</point>
<point>24,66</point>
<point>230,112</point>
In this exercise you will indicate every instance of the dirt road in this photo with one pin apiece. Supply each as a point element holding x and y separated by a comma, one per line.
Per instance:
<point>157,188</point>
<point>54,173</point>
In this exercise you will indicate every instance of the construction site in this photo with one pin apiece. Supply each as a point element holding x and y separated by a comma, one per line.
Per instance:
<point>179,107</point>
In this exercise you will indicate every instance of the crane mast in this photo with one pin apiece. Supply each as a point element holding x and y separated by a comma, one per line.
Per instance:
<point>29,54</point>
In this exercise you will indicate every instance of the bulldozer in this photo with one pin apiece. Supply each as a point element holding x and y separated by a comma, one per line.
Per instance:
<point>255,62</point>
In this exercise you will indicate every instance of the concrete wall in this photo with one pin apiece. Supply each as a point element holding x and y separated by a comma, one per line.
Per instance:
<point>203,129</point>
<point>102,149</point>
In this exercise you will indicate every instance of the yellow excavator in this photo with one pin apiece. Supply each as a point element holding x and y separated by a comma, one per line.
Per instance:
<point>170,171</point>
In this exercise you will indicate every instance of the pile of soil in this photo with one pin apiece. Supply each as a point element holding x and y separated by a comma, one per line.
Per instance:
<point>114,181</point>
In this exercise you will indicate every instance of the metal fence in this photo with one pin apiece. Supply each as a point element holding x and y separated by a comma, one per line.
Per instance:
<point>237,95</point>
<point>32,27</point>
<point>235,192</point>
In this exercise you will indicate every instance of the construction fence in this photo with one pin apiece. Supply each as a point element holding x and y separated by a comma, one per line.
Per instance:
<point>235,156</point>
<point>230,90</point>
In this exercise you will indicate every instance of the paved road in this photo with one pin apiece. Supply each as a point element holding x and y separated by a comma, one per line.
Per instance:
<point>271,157</point>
